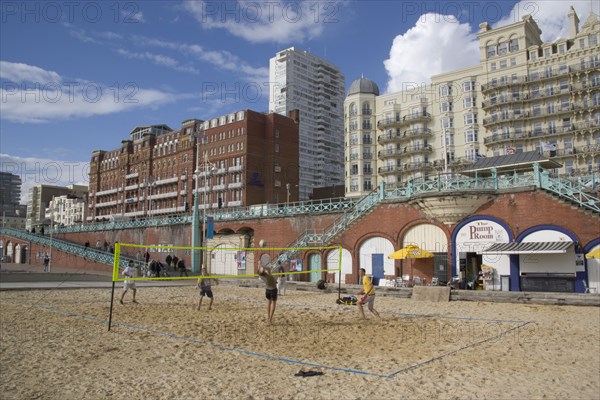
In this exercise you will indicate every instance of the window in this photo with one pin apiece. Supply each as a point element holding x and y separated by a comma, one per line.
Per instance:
<point>537,128</point>
<point>537,109</point>
<point>469,102</point>
<point>469,86</point>
<point>513,61</point>
<point>547,52</point>
<point>564,104</point>
<point>502,48</point>
<point>593,39</point>
<point>562,49</point>
<point>446,106</point>
<point>470,118</point>
<point>491,50</point>
<point>581,43</point>
<point>445,90</point>
<point>503,64</point>
<point>564,85</point>
<point>514,45</point>
<point>533,55</point>
<point>552,127</point>
<point>550,107</point>
<point>447,122</point>
<point>471,135</point>
<point>493,66</point>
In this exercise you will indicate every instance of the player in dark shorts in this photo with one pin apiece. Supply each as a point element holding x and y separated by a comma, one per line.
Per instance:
<point>205,285</point>
<point>271,291</point>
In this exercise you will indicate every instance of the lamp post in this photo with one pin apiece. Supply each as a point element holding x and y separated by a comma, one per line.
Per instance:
<point>195,233</point>
<point>149,185</point>
<point>208,168</point>
<point>51,224</point>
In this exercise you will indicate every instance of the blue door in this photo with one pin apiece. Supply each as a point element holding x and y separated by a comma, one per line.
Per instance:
<point>377,266</point>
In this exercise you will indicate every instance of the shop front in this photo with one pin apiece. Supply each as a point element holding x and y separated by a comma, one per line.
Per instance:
<point>475,270</point>
<point>543,259</point>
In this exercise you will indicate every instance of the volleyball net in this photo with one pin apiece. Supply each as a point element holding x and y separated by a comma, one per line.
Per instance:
<point>168,262</point>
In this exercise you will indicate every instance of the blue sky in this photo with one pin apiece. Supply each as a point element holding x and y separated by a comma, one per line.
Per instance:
<point>79,76</point>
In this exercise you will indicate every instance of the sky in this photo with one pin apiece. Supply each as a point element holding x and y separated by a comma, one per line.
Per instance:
<point>79,76</point>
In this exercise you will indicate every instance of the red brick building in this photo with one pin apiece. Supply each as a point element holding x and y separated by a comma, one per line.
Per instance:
<point>253,156</point>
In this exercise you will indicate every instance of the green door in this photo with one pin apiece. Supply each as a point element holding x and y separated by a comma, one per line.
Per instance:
<point>314,262</point>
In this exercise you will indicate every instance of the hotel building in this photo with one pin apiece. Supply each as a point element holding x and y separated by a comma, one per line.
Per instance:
<point>524,95</point>
<point>241,158</point>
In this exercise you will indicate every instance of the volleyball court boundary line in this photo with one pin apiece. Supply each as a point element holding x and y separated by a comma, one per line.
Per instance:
<point>304,363</point>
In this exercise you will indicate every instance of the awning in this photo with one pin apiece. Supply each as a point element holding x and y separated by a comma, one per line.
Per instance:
<point>528,248</point>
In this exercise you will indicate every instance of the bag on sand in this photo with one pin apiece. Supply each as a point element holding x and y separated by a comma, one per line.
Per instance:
<point>348,301</point>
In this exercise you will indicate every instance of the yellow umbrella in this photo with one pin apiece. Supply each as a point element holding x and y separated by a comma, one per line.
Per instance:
<point>410,251</point>
<point>593,254</point>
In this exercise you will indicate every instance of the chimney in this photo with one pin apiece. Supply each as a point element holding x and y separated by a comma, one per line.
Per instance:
<point>573,23</point>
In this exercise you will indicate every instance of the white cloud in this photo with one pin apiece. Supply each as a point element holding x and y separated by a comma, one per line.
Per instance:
<point>266,21</point>
<point>56,98</point>
<point>436,44</point>
<point>129,17</point>
<point>220,59</point>
<point>21,73</point>
<point>43,171</point>
<point>551,16</point>
<point>159,59</point>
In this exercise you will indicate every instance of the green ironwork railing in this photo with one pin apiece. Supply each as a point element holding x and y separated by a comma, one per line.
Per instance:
<point>578,191</point>
<point>101,257</point>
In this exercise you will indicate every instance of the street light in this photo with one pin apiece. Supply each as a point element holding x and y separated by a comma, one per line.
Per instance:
<point>149,185</point>
<point>208,167</point>
<point>51,223</point>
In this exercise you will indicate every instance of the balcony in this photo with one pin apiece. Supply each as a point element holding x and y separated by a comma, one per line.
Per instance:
<point>417,166</point>
<point>236,185</point>
<point>105,192</point>
<point>236,168</point>
<point>417,149</point>
<point>387,153</point>
<point>388,169</point>
<point>417,133</point>
<point>389,137</point>
<point>220,187</point>
<point>163,195</point>
<point>166,181</point>
<point>388,123</point>
<point>132,175</point>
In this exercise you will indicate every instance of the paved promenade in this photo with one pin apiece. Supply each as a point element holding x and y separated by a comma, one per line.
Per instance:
<point>23,276</point>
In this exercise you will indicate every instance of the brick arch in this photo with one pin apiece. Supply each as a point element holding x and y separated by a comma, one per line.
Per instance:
<point>414,223</point>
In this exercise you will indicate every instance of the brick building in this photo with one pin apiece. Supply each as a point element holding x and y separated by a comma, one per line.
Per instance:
<point>245,158</point>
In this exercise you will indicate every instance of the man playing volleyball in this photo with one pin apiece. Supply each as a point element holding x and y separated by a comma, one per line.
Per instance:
<point>129,272</point>
<point>271,291</point>
<point>369,295</point>
<point>205,285</point>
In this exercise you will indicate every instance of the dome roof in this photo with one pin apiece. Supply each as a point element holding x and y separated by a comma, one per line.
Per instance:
<point>363,85</point>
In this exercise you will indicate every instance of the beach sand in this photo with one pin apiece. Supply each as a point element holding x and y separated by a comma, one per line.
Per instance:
<point>55,345</point>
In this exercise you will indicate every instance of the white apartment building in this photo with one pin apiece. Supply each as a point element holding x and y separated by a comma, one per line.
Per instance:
<point>39,198</point>
<point>303,81</point>
<point>524,95</point>
<point>66,210</point>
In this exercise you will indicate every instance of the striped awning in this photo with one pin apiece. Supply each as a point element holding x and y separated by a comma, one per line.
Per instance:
<point>528,248</point>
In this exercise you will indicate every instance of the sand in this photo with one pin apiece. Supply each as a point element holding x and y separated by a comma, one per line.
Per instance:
<point>55,345</point>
